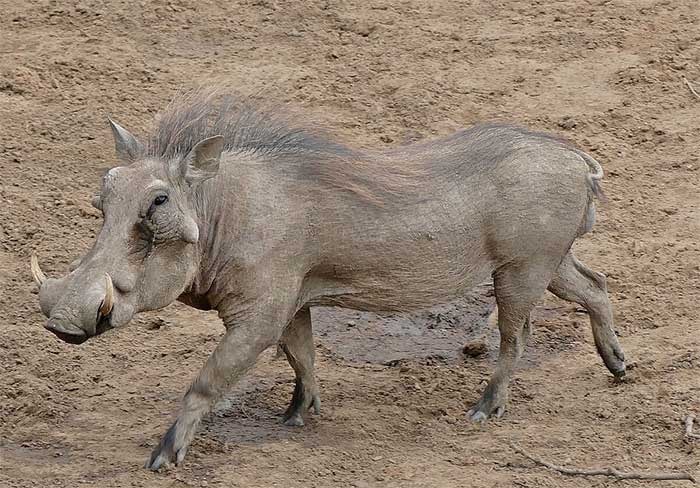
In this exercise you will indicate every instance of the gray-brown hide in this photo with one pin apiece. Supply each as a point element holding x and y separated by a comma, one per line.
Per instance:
<point>229,208</point>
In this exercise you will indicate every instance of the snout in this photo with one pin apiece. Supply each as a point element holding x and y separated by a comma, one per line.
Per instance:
<point>67,332</point>
<point>78,309</point>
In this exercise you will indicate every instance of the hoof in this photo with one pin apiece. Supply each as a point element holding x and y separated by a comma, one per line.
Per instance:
<point>620,373</point>
<point>295,420</point>
<point>614,358</point>
<point>168,452</point>
<point>479,415</point>
<point>303,400</point>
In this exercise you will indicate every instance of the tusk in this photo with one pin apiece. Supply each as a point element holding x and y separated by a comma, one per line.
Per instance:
<point>492,321</point>
<point>37,273</point>
<point>108,302</point>
<point>96,202</point>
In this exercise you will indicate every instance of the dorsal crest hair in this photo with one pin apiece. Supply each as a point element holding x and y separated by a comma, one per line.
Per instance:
<point>398,174</point>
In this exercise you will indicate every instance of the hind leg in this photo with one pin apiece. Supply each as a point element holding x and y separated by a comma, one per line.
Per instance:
<point>574,282</point>
<point>517,289</point>
<point>298,345</point>
<point>525,333</point>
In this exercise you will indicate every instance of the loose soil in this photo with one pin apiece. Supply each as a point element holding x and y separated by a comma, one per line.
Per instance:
<point>606,74</point>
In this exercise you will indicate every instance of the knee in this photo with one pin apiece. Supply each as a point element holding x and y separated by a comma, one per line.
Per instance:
<point>511,343</point>
<point>200,388</point>
<point>600,280</point>
<point>597,301</point>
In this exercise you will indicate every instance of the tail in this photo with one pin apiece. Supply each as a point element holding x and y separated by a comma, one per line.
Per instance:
<point>595,175</point>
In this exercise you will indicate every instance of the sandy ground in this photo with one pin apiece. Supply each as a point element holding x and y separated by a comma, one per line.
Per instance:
<point>606,74</point>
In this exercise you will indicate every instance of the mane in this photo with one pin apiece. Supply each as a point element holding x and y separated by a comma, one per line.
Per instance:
<point>245,125</point>
<point>252,128</point>
<point>380,178</point>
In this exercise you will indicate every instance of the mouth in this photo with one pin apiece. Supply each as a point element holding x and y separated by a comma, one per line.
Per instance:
<point>74,335</point>
<point>104,323</point>
<point>67,332</point>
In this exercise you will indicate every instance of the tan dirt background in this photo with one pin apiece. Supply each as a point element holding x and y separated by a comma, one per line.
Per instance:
<point>606,74</point>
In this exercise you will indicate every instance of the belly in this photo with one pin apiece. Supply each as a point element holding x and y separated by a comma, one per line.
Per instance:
<point>402,277</point>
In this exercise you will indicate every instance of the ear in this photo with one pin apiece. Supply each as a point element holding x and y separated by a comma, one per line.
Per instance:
<point>127,146</point>
<point>202,162</point>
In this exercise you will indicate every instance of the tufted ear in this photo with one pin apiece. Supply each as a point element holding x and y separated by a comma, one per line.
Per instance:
<point>202,162</point>
<point>127,146</point>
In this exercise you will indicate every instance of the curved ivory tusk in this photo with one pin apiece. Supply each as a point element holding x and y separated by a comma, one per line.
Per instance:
<point>96,202</point>
<point>492,321</point>
<point>37,273</point>
<point>108,302</point>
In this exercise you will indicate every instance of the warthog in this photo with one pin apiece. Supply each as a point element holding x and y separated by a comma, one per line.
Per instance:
<point>233,208</point>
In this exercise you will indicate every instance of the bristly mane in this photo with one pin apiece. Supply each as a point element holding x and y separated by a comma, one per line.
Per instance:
<point>249,128</point>
<point>245,126</point>
<point>399,174</point>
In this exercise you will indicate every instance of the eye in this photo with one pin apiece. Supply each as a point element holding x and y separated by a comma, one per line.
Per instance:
<point>160,200</point>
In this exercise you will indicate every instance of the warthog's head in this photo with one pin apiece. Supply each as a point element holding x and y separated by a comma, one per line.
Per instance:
<point>146,253</point>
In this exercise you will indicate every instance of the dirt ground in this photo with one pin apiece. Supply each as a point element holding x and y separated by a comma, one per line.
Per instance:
<point>606,74</point>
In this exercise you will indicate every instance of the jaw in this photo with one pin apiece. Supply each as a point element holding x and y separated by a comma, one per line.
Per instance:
<point>66,332</point>
<point>73,334</point>
<point>87,302</point>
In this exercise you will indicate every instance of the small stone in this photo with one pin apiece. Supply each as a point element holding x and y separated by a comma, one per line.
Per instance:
<point>567,123</point>
<point>364,29</point>
<point>475,349</point>
<point>359,484</point>
<point>156,323</point>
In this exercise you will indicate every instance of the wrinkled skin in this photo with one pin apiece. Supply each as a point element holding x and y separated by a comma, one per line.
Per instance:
<point>143,241</point>
<point>223,227</point>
